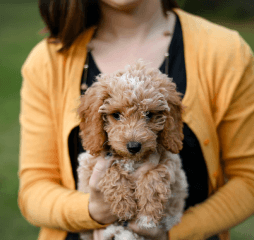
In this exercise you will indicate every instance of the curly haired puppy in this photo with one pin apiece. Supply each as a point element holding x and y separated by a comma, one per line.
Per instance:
<point>135,115</point>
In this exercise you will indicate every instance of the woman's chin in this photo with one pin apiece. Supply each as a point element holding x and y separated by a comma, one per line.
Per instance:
<point>122,5</point>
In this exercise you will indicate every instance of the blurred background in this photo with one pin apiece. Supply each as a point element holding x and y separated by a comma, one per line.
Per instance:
<point>20,25</point>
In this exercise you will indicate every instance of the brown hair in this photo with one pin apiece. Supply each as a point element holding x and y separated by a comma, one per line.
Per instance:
<point>66,19</point>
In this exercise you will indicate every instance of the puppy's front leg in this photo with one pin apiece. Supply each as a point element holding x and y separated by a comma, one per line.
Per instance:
<point>152,193</point>
<point>119,191</point>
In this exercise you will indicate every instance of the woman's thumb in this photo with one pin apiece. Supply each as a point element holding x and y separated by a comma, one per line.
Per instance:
<point>99,172</point>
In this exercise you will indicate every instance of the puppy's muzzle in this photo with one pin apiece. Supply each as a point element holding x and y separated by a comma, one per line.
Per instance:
<point>133,147</point>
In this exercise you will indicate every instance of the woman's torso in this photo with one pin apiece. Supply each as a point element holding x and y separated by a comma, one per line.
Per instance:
<point>192,157</point>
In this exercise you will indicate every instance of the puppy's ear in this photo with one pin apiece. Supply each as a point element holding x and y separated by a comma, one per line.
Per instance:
<point>92,133</point>
<point>172,135</point>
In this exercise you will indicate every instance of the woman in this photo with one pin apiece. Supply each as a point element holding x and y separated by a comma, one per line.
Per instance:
<point>211,65</point>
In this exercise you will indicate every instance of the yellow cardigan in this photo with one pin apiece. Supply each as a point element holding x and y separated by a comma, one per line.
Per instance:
<point>219,104</point>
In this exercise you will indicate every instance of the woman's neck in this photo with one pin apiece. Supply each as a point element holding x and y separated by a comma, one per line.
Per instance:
<point>141,22</point>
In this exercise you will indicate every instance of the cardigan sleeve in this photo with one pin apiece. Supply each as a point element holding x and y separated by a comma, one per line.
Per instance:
<point>234,201</point>
<point>42,199</point>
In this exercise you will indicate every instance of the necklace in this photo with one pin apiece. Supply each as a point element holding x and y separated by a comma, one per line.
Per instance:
<point>166,33</point>
<point>86,66</point>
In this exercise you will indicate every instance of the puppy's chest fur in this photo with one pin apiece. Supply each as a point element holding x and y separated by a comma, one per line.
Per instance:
<point>131,165</point>
<point>127,165</point>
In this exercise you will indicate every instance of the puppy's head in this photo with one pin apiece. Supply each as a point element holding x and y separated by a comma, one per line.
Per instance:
<point>131,112</point>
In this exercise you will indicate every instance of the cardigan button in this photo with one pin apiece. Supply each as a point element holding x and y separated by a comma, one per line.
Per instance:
<point>215,174</point>
<point>206,142</point>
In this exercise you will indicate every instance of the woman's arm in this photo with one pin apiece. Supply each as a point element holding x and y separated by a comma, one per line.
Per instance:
<point>234,202</point>
<point>42,199</point>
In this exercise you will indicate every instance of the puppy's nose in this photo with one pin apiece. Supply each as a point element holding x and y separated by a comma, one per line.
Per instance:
<point>133,147</point>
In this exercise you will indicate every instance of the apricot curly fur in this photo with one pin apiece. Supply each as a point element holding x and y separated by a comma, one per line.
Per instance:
<point>152,192</point>
<point>135,105</point>
<point>118,190</point>
<point>92,133</point>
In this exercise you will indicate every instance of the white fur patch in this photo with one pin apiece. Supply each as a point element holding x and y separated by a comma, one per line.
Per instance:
<point>130,80</point>
<point>143,222</point>
<point>120,233</point>
<point>128,166</point>
<point>174,157</point>
<point>125,235</point>
<point>84,157</point>
<point>110,230</point>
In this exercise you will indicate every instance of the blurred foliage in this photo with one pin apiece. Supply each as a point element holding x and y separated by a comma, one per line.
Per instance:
<point>230,9</point>
<point>17,1</point>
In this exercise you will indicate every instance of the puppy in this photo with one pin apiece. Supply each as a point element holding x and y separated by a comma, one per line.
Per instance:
<point>134,117</point>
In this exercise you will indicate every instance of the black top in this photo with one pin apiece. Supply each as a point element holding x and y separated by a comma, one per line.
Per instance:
<point>191,154</point>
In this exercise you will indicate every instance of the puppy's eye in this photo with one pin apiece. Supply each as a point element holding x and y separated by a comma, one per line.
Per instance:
<point>149,115</point>
<point>116,115</point>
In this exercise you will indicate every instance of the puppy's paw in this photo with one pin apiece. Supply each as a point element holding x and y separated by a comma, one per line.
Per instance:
<point>127,235</point>
<point>111,231</point>
<point>119,233</point>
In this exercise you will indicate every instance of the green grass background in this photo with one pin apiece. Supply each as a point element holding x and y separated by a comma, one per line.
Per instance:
<point>20,24</point>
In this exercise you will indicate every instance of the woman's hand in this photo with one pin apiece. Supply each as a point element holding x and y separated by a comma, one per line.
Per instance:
<point>98,209</point>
